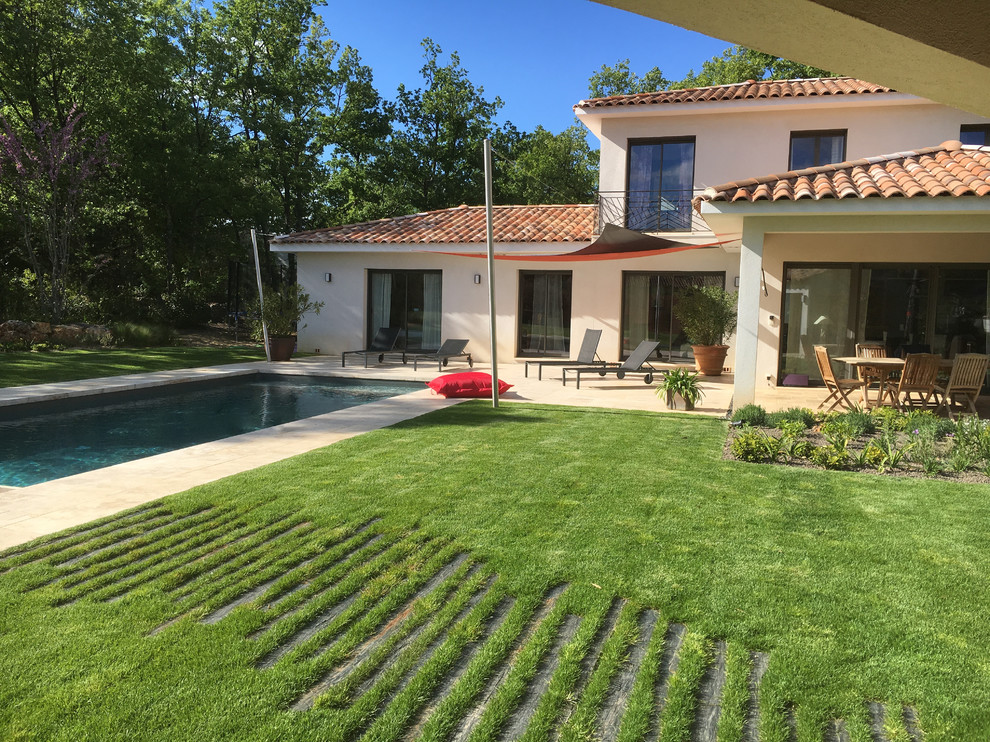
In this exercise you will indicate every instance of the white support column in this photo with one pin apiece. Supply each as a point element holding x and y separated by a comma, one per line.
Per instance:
<point>748,329</point>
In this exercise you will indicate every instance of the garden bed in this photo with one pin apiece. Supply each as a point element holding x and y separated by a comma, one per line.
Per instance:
<point>883,441</point>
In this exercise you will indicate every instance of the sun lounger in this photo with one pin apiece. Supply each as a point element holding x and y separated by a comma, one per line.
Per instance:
<point>634,364</point>
<point>383,343</point>
<point>449,349</point>
<point>587,356</point>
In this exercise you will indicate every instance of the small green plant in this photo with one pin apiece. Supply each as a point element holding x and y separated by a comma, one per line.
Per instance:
<point>756,447</point>
<point>893,452</point>
<point>829,457</point>
<point>960,457</point>
<point>889,417</point>
<point>859,422</point>
<point>751,415</point>
<point>795,414</point>
<point>682,382</point>
<point>838,433</point>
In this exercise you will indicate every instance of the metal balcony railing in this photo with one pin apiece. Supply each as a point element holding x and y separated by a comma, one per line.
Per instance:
<point>647,211</point>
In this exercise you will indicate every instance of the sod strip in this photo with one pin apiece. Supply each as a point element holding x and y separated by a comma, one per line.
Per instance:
<point>911,724</point>
<point>836,731</point>
<point>363,677</point>
<point>96,578</point>
<point>737,693</point>
<point>463,697</point>
<point>751,728</point>
<point>709,700</point>
<point>365,710</point>
<point>581,724</point>
<point>175,560</point>
<point>506,684</point>
<point>449,664</point>
<point>120,550</point>
<point>679,710</point>
<point>886,726</point>
<point>400,689</point>
<point>339,606</point>
<point>534,690</point>
<point>215,568</point>
<point>614,706</point>
<point>148,544</point>
<point>373,651</point>
<point>366,561</point>
<point>577,661</point>
<point>79,543</point>
<point>641,702</point>
<point>287,558</point>
<point>46,546</point>
<point>669,663</point>
<point>589,661</point>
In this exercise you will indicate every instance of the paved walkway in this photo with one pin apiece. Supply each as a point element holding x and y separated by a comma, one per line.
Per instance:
<point>29,512</point>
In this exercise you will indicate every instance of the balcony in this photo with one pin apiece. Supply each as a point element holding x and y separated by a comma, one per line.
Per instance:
<point>646,211</point>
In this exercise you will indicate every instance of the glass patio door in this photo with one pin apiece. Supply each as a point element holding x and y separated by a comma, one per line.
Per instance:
<point>544,313</point>
<point>409,300</point>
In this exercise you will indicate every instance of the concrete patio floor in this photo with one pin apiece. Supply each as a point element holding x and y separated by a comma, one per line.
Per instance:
<point>29,512</point>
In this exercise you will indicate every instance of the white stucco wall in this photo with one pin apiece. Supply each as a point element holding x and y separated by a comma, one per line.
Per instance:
<point>746,139</point>
<point>595,303</point>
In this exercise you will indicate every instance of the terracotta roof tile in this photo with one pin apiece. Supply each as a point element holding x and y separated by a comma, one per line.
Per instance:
<point>749,90</point>
<point>462,225</point>
<point>951,169</point>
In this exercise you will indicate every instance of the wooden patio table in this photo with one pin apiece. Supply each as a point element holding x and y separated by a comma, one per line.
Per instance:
<point>885,367</point>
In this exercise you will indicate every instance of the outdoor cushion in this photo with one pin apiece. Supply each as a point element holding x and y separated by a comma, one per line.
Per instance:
<point>466,384</point>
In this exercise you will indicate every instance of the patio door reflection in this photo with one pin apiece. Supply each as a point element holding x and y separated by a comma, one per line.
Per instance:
<point>409,300</point>
<point>648,301</point>
<point>544,313</point>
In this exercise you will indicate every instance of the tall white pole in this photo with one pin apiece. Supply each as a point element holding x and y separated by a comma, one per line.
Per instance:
<point>491,268</point>
<point>261,294</point>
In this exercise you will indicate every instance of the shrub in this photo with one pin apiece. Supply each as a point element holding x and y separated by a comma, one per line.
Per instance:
<point>795,414</point>
<point>752,415</point>
<point>138,335</point>
<point>829,457</point>
<point>889,418</point>
<point>838,433</point>
<point>756,447</point>
<point>859,422</point>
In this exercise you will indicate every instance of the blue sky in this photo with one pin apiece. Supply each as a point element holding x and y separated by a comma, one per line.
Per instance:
<point>536,55</point>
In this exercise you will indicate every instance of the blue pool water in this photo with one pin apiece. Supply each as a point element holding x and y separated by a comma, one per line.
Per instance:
<point>55,439</point>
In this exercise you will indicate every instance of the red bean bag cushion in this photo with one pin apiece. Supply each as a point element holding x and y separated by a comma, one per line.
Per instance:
<point>466,384</point>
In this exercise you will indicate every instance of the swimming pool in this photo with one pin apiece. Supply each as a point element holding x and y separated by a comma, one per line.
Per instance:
<point>46,441</point>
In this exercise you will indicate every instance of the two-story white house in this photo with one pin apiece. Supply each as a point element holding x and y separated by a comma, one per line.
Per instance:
<point>834,263</point>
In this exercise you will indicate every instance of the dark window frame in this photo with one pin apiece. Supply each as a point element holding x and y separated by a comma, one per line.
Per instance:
<point>403,339</point>
<point>520,351</point>
<point>817,134</point>
<point>972,128</point>
<point>681,139</point>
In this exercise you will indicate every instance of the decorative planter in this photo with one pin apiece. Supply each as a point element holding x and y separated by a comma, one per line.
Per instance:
<point>709,360</point>
<point>281,347</point>
<point>677,402</point>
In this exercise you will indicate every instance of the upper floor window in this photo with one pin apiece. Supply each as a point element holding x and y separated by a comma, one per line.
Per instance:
<point>978,134</point>
<point>811,148</point>
<point>660,184</point>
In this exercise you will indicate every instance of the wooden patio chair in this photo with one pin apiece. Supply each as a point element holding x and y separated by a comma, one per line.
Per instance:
<point>969,372</point>
<point>838,388</point>
<point>870,375</point>
<point>918,377</point>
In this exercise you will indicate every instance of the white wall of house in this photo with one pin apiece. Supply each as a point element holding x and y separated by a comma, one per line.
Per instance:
<point>596,293</point>
<point>745,139</point>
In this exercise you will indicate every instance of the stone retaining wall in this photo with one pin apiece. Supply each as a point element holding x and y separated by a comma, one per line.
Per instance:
<point>78,333</point>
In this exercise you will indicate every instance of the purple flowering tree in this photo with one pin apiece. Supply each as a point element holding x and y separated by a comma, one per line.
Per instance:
<point>44,172</point>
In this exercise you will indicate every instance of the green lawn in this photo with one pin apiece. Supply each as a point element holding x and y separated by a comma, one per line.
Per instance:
<point>23,368</point>
<point>858,589</point>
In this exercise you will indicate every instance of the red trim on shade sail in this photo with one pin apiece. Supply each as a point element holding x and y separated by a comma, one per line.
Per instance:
<point>614,243</point>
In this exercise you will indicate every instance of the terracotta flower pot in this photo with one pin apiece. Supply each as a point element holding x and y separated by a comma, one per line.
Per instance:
<point>709,360</point>
<point>281,347</point>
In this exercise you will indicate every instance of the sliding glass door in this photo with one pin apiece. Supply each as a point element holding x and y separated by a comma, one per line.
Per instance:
<point>409,300</point>
<point>648,301</point>
<point>544,313</point>
<point>943,309</point>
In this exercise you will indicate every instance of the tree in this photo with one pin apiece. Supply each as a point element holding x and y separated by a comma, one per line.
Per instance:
<point>545,168</point>
<point>433,159</point>
<point>739,64</point>
<point>46,170</point>
<point>620,80</point>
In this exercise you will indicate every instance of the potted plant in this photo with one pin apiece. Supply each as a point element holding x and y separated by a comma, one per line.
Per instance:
<point>708,316</point>
<point>283,309</point>
<point>680,389</point>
